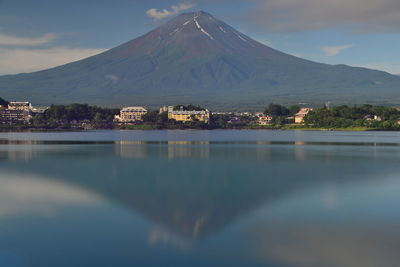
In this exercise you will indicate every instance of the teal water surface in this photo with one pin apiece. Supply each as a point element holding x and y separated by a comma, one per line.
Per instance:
<point>199,198</point>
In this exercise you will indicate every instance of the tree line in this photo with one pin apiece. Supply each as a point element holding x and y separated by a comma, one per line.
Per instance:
<point>64,116</point>
<point>364,116</point>
<point>368,116</point>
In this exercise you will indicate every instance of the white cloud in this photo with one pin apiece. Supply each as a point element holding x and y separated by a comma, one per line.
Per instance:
<point>266,42</point>
<point>331,51</point>
<point>17,60</point>
<point>162,14</point>
<point>305,15</point>
<point>297,55</point>
<point>6,39</point>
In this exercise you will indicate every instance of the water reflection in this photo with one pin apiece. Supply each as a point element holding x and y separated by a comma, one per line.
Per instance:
<point>262,203</point>
<point>325,245</point>
<point>203,188</point>
<point>359,229</point>
<point>184,149</point>
<point>176,149</point>
<point>22,195</point>
<point>162,236</point>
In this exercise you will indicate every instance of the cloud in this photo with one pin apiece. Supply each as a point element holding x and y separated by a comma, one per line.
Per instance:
<point>17,60</point>
<point>266,42</point>
<point>297,55</point>
<point>113,78</point>
<point>162,14</point>
<point>388,67</point>
<point>24,41</point>
<point>331,51</point>
<point>306,15</point>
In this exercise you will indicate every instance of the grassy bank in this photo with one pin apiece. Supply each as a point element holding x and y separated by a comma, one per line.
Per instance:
<point>308,128</point>
<point>137,127</point>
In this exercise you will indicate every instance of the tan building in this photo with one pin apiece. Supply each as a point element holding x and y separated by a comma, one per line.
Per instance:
<point>188,115</point>
<point>130,114</point>
<point>299,117</point>
<point>263,119</point>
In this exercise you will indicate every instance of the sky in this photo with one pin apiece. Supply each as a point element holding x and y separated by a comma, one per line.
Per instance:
<point>39,34</point>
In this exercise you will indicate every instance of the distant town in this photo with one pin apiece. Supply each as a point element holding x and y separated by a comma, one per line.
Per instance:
<point>23,116</point>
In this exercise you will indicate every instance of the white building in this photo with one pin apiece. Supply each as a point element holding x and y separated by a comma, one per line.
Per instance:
<point>16,112</point>
<point>263,119</point>
<point>26,106</point>
<point>130,114</point>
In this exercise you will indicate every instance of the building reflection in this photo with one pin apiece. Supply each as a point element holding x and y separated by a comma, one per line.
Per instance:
<point>131,150</point>
<point>18,150</point>
<point>17,155</point>
<point>188,149</point>
<point>170,149</point>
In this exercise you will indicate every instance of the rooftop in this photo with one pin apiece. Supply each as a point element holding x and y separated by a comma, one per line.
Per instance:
<point>133,109</point>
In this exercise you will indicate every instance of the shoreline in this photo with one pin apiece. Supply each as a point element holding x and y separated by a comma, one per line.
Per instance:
<point>349,129</point>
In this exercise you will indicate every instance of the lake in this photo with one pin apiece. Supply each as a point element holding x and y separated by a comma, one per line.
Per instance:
<point>200,198</point>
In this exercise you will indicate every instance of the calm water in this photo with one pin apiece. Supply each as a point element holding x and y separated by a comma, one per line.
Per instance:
<point>200,198</point>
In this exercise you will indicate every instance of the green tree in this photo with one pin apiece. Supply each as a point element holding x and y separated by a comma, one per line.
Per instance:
<point>3,102</point>
<point>276,110</point>
<point>151,117</point>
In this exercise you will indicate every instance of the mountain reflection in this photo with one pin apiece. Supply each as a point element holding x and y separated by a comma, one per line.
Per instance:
<point>202,187</point>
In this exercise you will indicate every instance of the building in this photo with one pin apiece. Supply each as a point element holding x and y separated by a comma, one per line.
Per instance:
<point>39,110</point>
<point>188,115</point>
<point>26,106</point>
<point>16,112</point>
<point>372,118</point>
<point>299,117</point>
<point>130,114</point>
<point>263,119</point>
<point>11,116</point>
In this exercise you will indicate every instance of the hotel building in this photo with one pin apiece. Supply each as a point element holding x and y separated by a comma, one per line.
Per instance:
<point>130,114</point>
<point>188,115</point>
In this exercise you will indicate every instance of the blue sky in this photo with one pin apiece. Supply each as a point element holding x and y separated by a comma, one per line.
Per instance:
<point>38,34</point>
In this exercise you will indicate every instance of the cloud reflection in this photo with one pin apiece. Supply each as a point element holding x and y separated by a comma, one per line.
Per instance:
<point>26,195</point>
<point>324,245</point>
<point>160,236</point>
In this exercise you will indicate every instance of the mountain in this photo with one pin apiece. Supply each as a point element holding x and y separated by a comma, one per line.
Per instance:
<point>196,58</point>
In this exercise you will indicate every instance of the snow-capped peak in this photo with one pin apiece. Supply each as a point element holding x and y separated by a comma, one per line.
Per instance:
<point>201,29</point>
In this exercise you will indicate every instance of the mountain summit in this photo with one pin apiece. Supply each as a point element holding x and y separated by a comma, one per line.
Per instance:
<point>196,58</point>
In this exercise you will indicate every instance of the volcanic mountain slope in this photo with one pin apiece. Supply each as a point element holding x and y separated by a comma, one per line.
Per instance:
<point>195,58</point>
